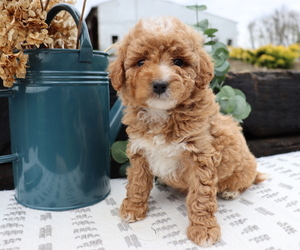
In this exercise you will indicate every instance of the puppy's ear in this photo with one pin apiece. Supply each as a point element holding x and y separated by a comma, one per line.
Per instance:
<point>205,70</point>
<point>117,72</point>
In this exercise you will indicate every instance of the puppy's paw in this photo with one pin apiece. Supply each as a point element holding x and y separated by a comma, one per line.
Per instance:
<point>203,236</point>
<point>229,195</point>
<point>131,212</point>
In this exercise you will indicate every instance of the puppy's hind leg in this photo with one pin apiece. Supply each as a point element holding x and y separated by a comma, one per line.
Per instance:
<point>233,186</point>
<point>140,183</point>
<point>229,195</point>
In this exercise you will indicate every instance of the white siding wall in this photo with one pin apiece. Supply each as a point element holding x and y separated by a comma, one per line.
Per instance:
<point>116,17</point>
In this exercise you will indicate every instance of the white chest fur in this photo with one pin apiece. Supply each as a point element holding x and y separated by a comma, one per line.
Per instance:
<point>163,158</point>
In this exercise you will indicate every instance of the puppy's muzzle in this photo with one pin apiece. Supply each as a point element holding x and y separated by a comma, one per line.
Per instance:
<point>159,87</point>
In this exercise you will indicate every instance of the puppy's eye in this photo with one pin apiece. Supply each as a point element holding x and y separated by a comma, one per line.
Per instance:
<point>178,62</point>
<point>140,63</point>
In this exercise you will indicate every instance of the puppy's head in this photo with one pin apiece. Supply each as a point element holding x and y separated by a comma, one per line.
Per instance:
<point>161,63</point>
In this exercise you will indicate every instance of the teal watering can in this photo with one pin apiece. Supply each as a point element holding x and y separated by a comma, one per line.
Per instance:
<point>61,126</point>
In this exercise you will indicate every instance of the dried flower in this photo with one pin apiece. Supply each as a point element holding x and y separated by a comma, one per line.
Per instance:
<point>22,26</point>
<point>12,64</point>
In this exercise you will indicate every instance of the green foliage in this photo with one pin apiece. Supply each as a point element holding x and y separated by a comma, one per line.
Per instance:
<point>123,168</point>
<point>231,101</point>
<point>210,32</point>
<point>269,56</point>
<point>202,25</point>
<point>118,153</point>
<point>197,7</point>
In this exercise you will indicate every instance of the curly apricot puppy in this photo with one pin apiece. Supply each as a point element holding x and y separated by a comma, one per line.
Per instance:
<point>175,129</point>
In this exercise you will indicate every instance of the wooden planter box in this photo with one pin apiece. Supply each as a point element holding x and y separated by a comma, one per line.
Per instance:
<point>274,124</point>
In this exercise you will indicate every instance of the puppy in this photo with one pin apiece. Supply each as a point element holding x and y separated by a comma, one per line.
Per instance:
<point>175,129</point>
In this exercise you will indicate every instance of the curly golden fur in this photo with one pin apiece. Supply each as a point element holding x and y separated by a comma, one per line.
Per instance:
<point>175,129</point>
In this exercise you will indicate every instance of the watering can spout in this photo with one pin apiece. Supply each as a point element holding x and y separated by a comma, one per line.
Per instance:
<point>115,117</point>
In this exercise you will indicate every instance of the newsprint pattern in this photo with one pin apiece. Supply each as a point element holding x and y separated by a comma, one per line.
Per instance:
<point>266,217</point>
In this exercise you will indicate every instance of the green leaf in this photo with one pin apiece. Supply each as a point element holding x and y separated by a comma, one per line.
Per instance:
<point>197,7</point>
<point>247,111</point>
<point>227,91</point>
<point>218,45</point>
<point>219,53</point>
<point>227,105</point>
<point>210,32</point>
<point>118,151</point>
<point>226,99</point>
<point>202,25</point>
<point>241,105</point>
<point>221,79</point>
<point>214,84</point>
<point>222,70</point>
<point>210,43</point>
<point>239,92</point>
<point>123,169</point>
<point>242,109</point>
<point>219,59</point>
<point>217,83</point>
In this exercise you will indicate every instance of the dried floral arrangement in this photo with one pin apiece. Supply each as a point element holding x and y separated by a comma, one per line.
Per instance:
<point>22,26</point>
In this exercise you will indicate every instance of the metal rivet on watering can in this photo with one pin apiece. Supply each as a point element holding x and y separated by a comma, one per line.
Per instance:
<point>60,126</point>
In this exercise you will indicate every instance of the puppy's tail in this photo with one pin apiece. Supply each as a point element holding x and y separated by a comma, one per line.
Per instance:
<point>260,177</point>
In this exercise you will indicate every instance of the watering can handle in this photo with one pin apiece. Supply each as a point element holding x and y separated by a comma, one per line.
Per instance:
<point>86,55</point>
<point>86,49</point>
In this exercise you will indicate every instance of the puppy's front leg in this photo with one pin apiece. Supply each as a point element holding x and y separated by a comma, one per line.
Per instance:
<point>201,204</point>
<point>140,183</point>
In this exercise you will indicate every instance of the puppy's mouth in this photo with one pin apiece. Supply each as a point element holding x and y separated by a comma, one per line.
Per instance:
<point>161,98</point>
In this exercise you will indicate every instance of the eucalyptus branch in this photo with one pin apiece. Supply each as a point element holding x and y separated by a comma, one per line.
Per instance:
<point>232,101</point>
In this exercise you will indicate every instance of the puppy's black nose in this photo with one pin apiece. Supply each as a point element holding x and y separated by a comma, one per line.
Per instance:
<point>159,87</point>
